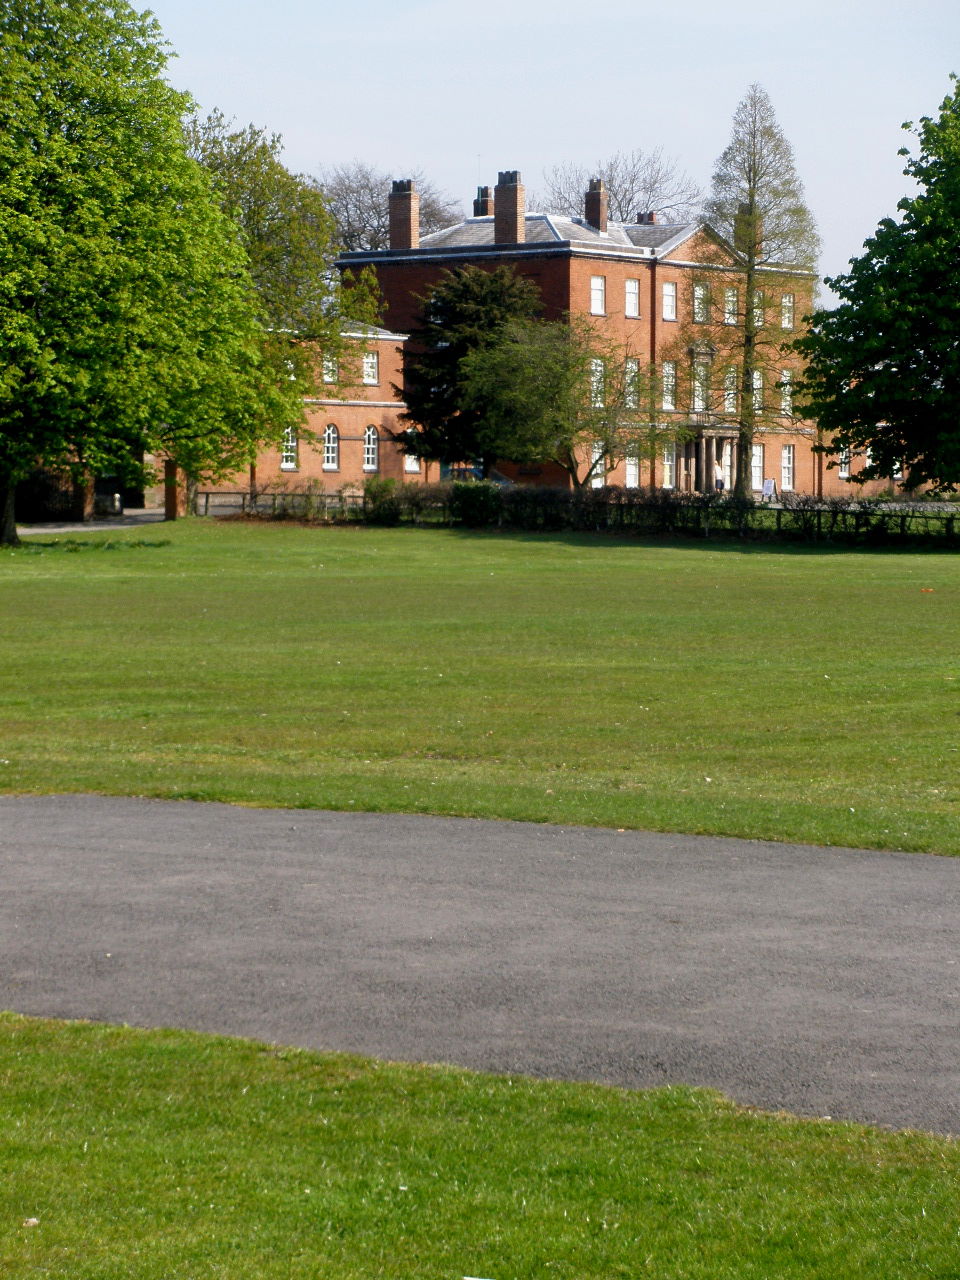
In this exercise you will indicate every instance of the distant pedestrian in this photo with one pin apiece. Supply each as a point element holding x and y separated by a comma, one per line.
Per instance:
<point>718,478</point>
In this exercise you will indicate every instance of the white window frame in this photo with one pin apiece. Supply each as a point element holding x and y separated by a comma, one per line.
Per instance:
<point>371,369</point>
<point>844,463</point>
<point>631,302</point>
<point>701,304</point>
<point>330,369</point>
<point>788,464</point>
<point>668,379</point>
<point>669,467</point>
<point>731,305</point>
<point>599,478</point>
<point>598,295</point>
<point>597,389</point>
<point>730,388</point>
<point>758,391</point>
<point>669,311</point>
<point>787,311</point>
<point>331,448</point>
<point>701,386</point>
<point>759,309</point>
<point>411,464</point>
<point>631,383</point>
<point>371,449</point>
<point>290,450</point>
<point>631,465</point>
<point>786,392</point>
<point>756,466</point>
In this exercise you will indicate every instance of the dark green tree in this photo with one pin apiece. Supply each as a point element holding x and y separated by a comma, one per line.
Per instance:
<point>128,322</point>
<point>756,202</point>
<point>883,370</point>
<point>558,392</point>
<point>465,310</point>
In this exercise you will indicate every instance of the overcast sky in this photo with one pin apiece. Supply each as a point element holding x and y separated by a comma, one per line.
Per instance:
<point>461,91</point>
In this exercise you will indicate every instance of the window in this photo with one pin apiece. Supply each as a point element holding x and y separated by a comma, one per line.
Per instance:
<point>701,304</point>
<point>787,458</point>
<point>730,390</point>
<point>786,392</point>
<point>670,466</point>
<point>598,295</point>
<point>371,449</point>
<point>632,466</point>
<point>701,386</point>
<point>631,383</point>
<point>669,301</point>
<point>843,470</point>
<point>786,311</point>
<point>331,448</point>
<point>371,368</point>
<point>758,391</point>
<point>759,312</point>
<point>598,478</point>
<point>632,302</point>
<point>331,370</point>
<point>288,451</point>
<point>731,305</point>
<point>669,380</point>
<point>411,464</point>
<point>596,383</point>
<point>756,466</point>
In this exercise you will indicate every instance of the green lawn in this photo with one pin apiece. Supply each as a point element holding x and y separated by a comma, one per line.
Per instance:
<point>778,693</point>
<point>173,1156</point>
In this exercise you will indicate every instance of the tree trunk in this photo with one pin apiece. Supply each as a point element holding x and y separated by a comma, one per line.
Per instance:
<point>8,522</point>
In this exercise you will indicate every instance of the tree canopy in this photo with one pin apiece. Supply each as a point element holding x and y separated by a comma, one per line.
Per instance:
<point>756,203</point>
<point>636,182</point>
<point>128,320</point>
<point>559,392</point>
<point>464,310</point>
<point>884,366</point>
<point>358,197</point>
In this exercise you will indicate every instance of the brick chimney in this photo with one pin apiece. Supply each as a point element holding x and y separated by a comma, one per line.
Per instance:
<point>646,219</point>
<point>509,207</point>
<point>483,205</point>
<point>595,204</point>
<point>404,215</point>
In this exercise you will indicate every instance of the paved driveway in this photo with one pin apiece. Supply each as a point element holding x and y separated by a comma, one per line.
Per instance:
<point>822,981</point>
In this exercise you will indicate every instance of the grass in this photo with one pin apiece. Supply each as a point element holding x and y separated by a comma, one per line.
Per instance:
<point>172,1156</point>
<point>784,694</point>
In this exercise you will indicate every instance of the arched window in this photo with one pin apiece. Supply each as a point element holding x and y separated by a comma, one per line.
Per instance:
<point>331,448</point>
<point>371,449</point>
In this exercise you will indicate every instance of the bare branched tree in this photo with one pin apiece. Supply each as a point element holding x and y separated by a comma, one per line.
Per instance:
<point>356,195</point>
<point>636,181</point>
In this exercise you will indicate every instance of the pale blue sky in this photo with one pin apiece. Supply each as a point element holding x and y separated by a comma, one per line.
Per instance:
<point>462,91</point>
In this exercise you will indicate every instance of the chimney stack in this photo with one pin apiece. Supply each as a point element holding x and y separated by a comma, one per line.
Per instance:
<point>509,208</point>
<point>595,204</point>
<point>647,219</point>
<point>404,215</point>
<point>483,205</point>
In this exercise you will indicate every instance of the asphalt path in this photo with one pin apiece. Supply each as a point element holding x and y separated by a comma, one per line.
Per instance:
<point>820,981</point>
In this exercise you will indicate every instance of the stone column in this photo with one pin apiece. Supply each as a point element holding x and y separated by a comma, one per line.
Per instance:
<point>708,463</point>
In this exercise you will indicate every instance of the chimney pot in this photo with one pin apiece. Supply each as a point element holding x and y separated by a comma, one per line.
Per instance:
<point>596,204</point>
<point>404,206</point>
<point>509,209</point>
<point>483,205</point>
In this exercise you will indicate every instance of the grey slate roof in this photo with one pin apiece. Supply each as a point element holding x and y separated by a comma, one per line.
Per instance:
<point>552,228</point>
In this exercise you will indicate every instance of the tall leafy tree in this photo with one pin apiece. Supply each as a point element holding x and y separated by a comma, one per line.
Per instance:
<point>465,310</point>
<point>560,392</point>
<point>884,367</point>
<point>756,203</point>
<point>128,321</point>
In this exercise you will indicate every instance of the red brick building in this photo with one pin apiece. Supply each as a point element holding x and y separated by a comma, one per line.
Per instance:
<point>670,295</point>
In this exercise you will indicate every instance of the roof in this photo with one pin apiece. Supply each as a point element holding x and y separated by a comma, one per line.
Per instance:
<point>552,228</point>
<point>358,329</point>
